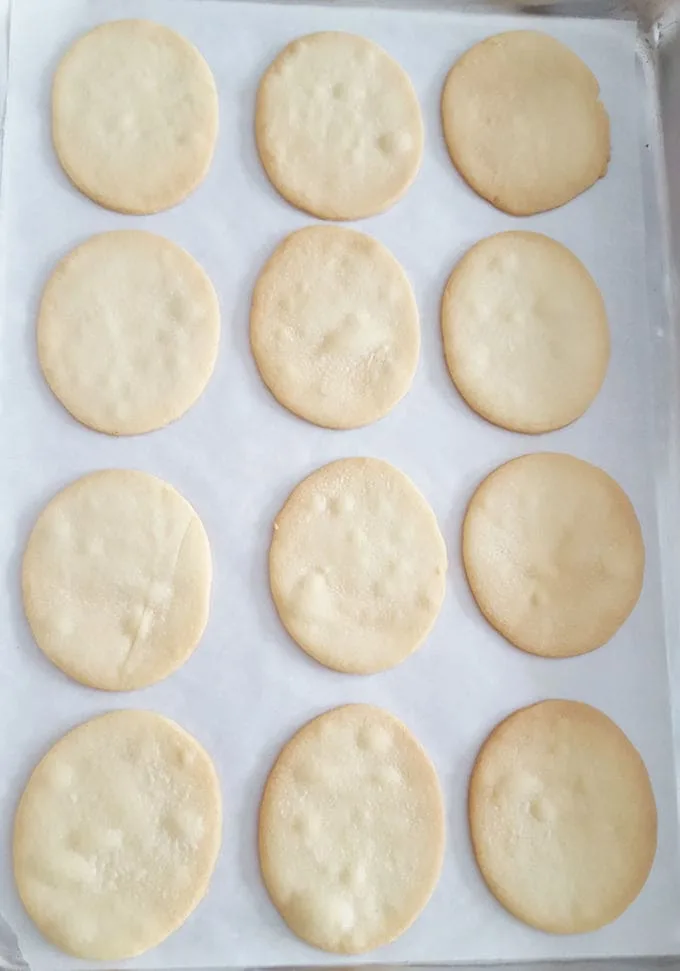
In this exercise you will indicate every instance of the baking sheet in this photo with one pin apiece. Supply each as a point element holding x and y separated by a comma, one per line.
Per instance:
<point>237,454</point>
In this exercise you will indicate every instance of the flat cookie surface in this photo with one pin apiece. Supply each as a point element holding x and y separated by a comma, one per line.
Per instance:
<point>134,116</point>
<point>351,830</point>
<point>334,327</point>
<point>338,126</point>
<point>357,566</point>
<point>562,817</point>
<point>525,332</point>
<point>116,580</point>
<point>554,554</point>
<point>523,122</point>
<point>128,332</point>
<point>117,834</point>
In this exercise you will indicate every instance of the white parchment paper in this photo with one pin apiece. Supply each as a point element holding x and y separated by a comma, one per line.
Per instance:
<point>237,454</point>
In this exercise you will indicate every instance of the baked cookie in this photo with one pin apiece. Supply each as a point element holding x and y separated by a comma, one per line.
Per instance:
<point>524,123</point>
<point>128,332</point>
<point>116,580</point>
<point>134,116</point>
<point>334,327</point>
<point>554,554</point>
<point>351,830</point>
<point>357,566</point>
<point>562,817</point>
<point>117,834</point>
<point>338,126</point>
<point>525,332</point>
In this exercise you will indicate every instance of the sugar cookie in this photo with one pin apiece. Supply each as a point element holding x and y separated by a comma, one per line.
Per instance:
<point>554,554</point>
<point>117,834</point>
<point>525,332</point>
<point>351,830</point>
<point>357,566</point>
<point>134,116</point>
<point>562,817</point>
<point>523,122</point>
<point>334,327</point>
<point>338,126</point>
<point>128,332</point>
<point>116,580</point>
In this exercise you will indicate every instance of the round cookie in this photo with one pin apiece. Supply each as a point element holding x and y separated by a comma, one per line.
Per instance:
<point>338,126</point>
<point>357,566</point>
<point>351,830</point>
<point>554,554</point>
<point>116,580</point>
<point>523,122</point>
<point>117,834</point>
<point>334,327</point>
<point>562,817</point>
<point>128,332</point>
<point>134,116</point>
<point>525,332</point>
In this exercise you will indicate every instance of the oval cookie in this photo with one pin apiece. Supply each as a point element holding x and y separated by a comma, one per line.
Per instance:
<point>117,834</point>
<point>338,126</point>
<point>524,123</point>
<point>351,830</point>
<point>357,566</point>
<point>128,332</point>
<point>116,580</point>
<point>334,327</point>
<point>134,116</point>
<point>525,332</point>
<point>554,554</point>
<point>562,817</point>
